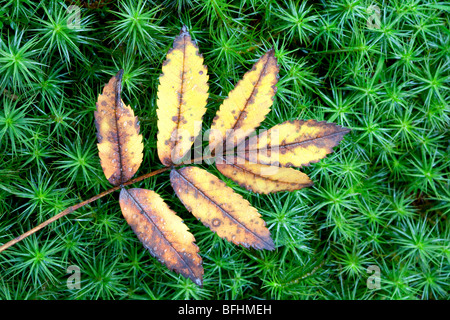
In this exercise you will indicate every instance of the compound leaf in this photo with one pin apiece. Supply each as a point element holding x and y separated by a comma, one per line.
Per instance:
<point>162,232</point>
<point>259,164</point>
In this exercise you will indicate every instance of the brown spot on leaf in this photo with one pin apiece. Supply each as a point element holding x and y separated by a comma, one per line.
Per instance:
<point>216,222</point>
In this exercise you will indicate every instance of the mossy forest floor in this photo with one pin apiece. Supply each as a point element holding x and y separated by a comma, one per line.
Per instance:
<point>374,225</point>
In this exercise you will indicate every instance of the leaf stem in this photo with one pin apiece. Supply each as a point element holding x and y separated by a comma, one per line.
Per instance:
<point>77,206</point>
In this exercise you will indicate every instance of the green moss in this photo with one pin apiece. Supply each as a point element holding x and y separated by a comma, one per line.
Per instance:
<point>380,200</point>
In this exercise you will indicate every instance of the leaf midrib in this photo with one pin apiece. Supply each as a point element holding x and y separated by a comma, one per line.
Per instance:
<point>295,144</point>
<point>118,101</point>
<point>180,100</point>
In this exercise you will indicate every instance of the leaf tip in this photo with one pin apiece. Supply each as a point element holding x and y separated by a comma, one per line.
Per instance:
<point>268,244</point>
<point>184,29</point>
<point>199,282</point>
<point>346,130</point>
<point>119,75</point>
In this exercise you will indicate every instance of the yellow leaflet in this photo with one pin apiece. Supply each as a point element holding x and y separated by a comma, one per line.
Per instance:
<point>262,178</point>
<point>294,143</point>
<point>119,142</point>
<point>219,208</point>
<point>182,96</point>
<point>247,104</point>
<point>162,232</point>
